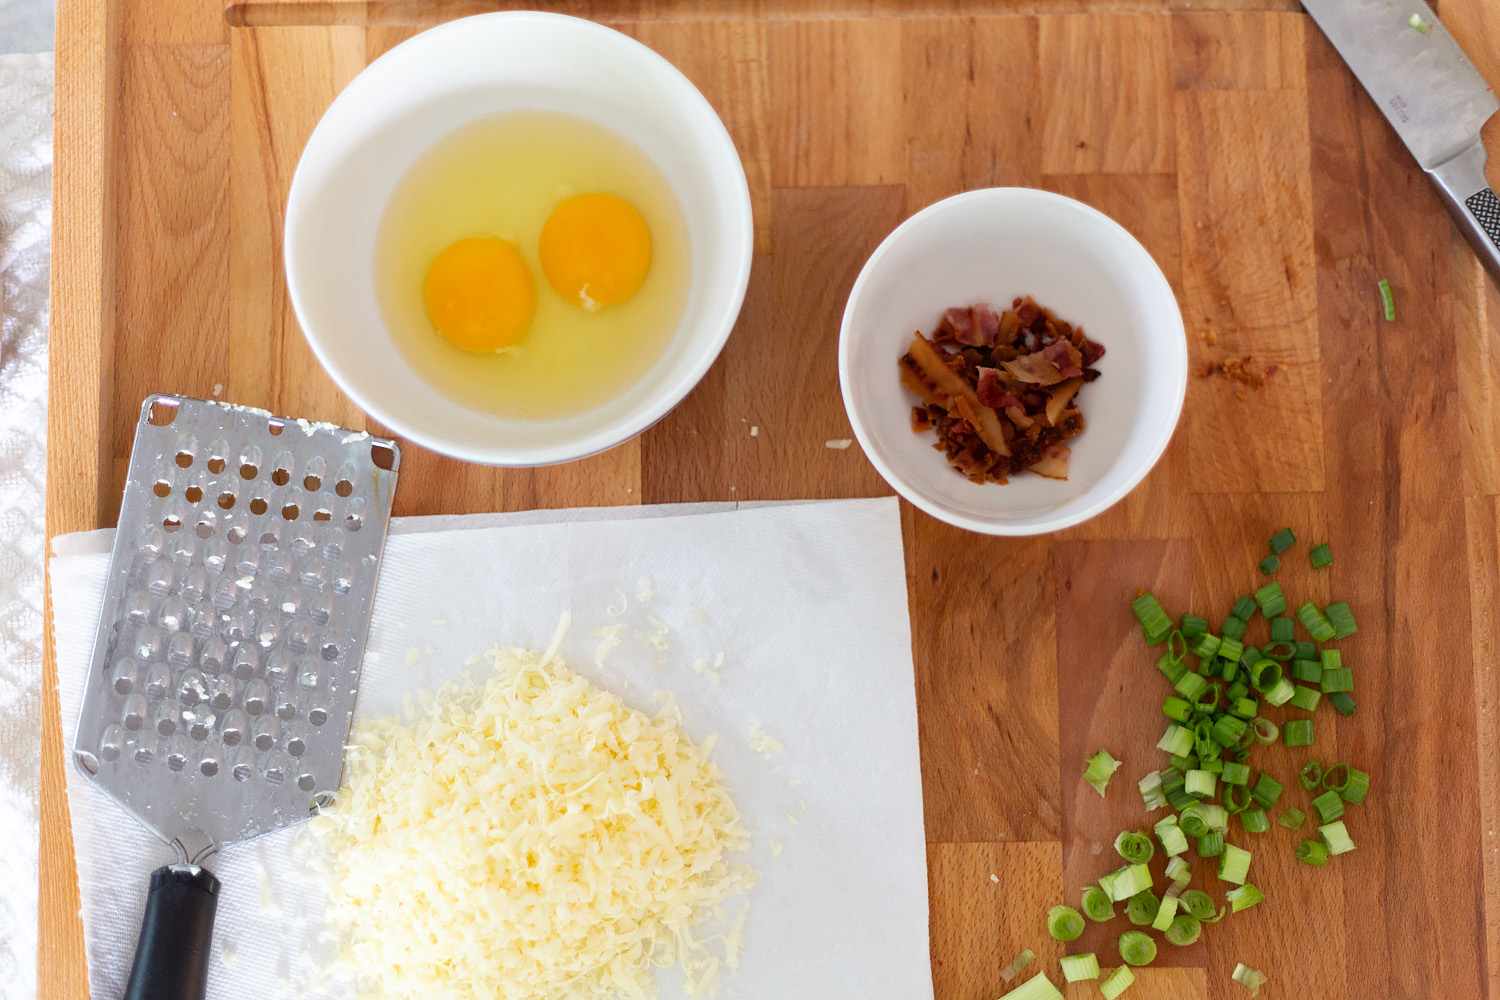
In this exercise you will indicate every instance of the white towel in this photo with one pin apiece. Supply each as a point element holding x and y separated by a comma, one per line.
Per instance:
<point>25,251</point>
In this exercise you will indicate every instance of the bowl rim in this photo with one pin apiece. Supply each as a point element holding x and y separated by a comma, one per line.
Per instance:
<point>1038,524</point>
<point>717,142</point>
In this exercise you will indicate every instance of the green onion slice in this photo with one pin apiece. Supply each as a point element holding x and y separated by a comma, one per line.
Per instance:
<point>1336,837</point>
<point>1185,929</point>
<point>1247,977</point>
<point>1077,967</point>
<point>1356,787</point>
<point>1141,908</point>
<point>1338,679</point>
<point>1243,897</point>
<point>1234,864</point>
<point>1271,599</point>
<point>1312,773</point>
<point>1270,564</point>
<point>1100,767</point>
<point>1306,698</point>
<point>1281,649</point>
<point>1177,741</point>
<point>1097,904</point>
<point>1342,701</point>
<point>1283,629</point>
<point>1265,730</point>
<point>1320,556</point>
<point>1329,806</point>
<point>1198,904</point>
<point>1173,841</point>
<point>1313,852</point>
<point>1237,798</point>
<point>1282,540</point>
<point>1299,732</point>
<point>1317,624</point>
<point>1244,607</point>
<point>1125,882</point>
<point>1387,300</point>
<point>1117,983</point>
<point>1064,923</point>
<point>1255,820</point>
<point>1017,964</point>
<point>1154,621</point>
<point>1152,794</point>
<point>1342,620</point>
<point>1211,844</point>
<point>1135,847</point>
<point>1137,948</point>
<point>1192,626</point>
<point>1266,791</point>
<point>1281,693</point>
<point>1293,818</point>
<point>1038,987</point>
<point>1179,871</point>
<point>1336,777</point>
<point>1166,912</point>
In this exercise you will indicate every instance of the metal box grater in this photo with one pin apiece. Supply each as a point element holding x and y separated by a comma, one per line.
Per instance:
<point>234,622</point>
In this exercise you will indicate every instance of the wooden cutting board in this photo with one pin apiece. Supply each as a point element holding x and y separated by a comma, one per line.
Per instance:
<point>1226,135</point>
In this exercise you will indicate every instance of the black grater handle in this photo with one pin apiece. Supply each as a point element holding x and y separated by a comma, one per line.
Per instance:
<point>171,957</point>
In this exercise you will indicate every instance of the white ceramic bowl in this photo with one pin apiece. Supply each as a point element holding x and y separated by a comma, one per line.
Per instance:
<point>991,246</point>
<point>430,85</point>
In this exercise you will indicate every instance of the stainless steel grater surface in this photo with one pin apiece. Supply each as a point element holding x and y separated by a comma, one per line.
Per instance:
<point>234,621</point>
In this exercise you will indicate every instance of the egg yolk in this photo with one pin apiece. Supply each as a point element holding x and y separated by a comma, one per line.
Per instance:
<point>480,294</point>
<point>595,250</point>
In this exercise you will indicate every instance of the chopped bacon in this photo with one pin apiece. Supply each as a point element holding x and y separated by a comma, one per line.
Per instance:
<point>1001,390</point>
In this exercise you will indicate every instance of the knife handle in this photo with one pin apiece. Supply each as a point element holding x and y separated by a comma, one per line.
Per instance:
<point>1474,206</point>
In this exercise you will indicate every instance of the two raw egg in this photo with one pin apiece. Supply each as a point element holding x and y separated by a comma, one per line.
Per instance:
<point>595,252</point>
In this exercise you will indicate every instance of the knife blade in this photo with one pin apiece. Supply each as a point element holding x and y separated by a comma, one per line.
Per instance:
<point>1431,94</point>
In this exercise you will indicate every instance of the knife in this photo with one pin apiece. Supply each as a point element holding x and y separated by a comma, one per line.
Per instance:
<point>1431,94</point>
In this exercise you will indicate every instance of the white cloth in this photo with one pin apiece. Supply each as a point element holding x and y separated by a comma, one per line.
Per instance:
<point>807,604</point>
<point>25,245</point>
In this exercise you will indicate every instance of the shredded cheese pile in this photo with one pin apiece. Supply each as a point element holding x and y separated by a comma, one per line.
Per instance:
<point>532,837</point>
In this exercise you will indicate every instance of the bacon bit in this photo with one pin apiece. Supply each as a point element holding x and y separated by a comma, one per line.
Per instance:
<point>1238,370</point>
<point>1209,337</point>
<point>1004,400</point>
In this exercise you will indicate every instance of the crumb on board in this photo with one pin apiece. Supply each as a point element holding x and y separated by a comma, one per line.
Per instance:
<point>754,430</point>
<point>838,444</point>
<point>1240,370</point>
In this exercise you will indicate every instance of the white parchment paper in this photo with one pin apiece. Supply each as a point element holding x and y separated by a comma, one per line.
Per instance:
<point>805,602</point>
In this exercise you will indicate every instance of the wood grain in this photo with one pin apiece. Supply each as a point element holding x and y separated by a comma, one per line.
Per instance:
<point>1226,135</point>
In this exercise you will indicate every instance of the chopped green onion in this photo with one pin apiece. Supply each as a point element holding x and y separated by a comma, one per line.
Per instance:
<point>1190,686</point>
<point>1233,628</point>
<point>1182,764</point>
<point>1125,882</point>
<point>1213,765</point>
<point>1137,948</point>
<point>1245,708</point>
<point>1313,852</point>
<point>1271,600</point>
<point>1236,799</point>
<point>1330,659</point>
<point>1176,708</point>
<point>1249,978</point>
<point>1234,864</point>
<point>1135,847</point>
<point>1342,619</point>
<point>1077,967</point>
<point>1293,818</point>
<point>1249,657</point>
<point>1165,912</point>
<point>1355,788</point>
<point>1228,730</point>
<point>1299,732</point>
<point>1338,679</point>
<point>1152,793</point>
<point>1306,698</point>
<point>1230,649</point>
<point>1312,774</point>
<point>1211,844</point>
<point>1141,908</point>
<point>1244,607</point>
<point>1282,540</point>
<point>1177,741</point>
<point>1307,671</point>
<point>1317,625</point>
<point>1237,690</point>
<point>1255,820</point>
<point>1264,675</point>
<point>1193,821</point>
<point>1193,626</point>
<point>1154,621</point>
<point>1097,904</point>
<point>1231,671</point>
<point>1118,982</point>
<point>1201,784</point>
<point>1173,841</point>
<point>1321,555</point>
<point>1243,897</point>
<point>1235,774</point>
<point>1064,923</point>
<point>1336,777</point>
<point>1185,929</point>
<point>1336,838</point>
<point>1265,730</point>
<point>1176,645</point>
<point>1179,871</point>
<point>1208,701</point>
<point>1017,964</point>
<point>1270,564</point>
<point>1281,692</point>
<point>1100,768</point>
<point>1387,300</point>
<point>1342,701</point>
<point>1329,806</point>
<point>1198,904</point>
<point>1283,629</point>
<point>1038,987</point>
<point>1267,790</point>
<point>1207,646</point>
<point>1282,649</point>
<point>1171,667</point>
<point>1306,650</point>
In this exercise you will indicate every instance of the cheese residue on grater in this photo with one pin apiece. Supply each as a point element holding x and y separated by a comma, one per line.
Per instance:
<point>532,837</point>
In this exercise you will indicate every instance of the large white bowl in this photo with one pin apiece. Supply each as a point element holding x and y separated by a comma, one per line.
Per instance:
<point>992,245</point>
<point>430,85</point>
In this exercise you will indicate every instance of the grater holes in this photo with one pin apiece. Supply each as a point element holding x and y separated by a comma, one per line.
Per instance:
<point>200,723</point>
<point>164,719</point>
<point>312,474</point>
<point>290,511</point>
<point>320,801</point>
<point>312,484</point>
<point>242,772</point>
<point>194,494</point>
<point>258,506</point>
<point>126,676</point>
<point>232,728</point>
<point>171,523</point>
<point>265,732</point>
<point>112,743</point>
<point>249,470</point>
<point>226,500</point>
<point>134,716</point>
<point>184,460</point>
<point>307,782</point>
<point>322,514</point>
<point>205,529</point>
<point>87,761</point>
<point>317,715</point>
<point>384,456</point>
<point>163,411</point>
<point>296,745</point>
<point>236,535</point>
<point>270,538</point>
<point>162,488</point>
<point>208,767</point>
<point>281,477</point>
<point>158,681</point>
<point>275,426</point>
<point>217,465</point>
<point>144,754</point>
<point>278,768</point>
<point>343,488</point>
<point>354,522</point>
<point>257,693</point>
<point>177,752</point>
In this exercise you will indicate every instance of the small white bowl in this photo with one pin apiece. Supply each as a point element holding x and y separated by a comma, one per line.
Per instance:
<point>444,78</point>
<point>991,246</point>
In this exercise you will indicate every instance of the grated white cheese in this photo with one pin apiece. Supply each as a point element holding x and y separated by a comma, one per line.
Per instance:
<point>531,837</point>
<point>610,637</point>
<point>763,743</point>
<point>711,670</point>
<point>644,593</point>
<point>838,444</point>
<point>413,655</point>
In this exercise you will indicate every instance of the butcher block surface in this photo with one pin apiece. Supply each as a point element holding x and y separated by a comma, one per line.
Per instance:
<point>1227,136</point>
